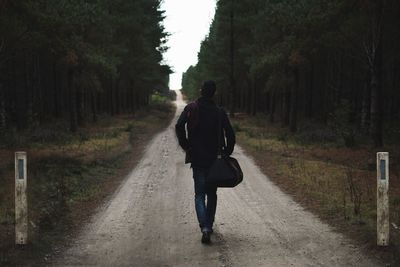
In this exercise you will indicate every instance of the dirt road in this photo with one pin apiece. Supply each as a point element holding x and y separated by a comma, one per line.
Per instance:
<point>150,221</point>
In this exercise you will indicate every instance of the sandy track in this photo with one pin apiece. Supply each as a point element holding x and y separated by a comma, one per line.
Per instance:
<point>150,221</point>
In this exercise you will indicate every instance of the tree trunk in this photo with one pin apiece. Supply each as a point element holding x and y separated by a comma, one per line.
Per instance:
<point>40,102</point>
<point>93,104</point>
<point>266,103</point>
<point>55,91</point>
<point>376,109</point>
<point>248,96</point>
<point>293,102</point>
<point>80,106</point>
<point>117,97</point>
<point>366,107</point>
<point>272,107</point>
<point>72,101</point>
<point>21,84</point>
<point>112,96</point>
<point>309,107</point>
<point>375,59</point>
<point>286,107</point>
<point>232,63</point>
<point>2,109</point>
<point>254,99</point>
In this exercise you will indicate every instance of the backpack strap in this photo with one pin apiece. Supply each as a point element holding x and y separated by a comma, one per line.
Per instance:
<point>193,114</point>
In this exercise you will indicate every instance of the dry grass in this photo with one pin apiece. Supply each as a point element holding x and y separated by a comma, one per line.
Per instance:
<point>336,183</point>
<point>68,178</point>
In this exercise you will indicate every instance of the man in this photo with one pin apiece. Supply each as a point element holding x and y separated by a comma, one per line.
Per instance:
<point>201,145</point>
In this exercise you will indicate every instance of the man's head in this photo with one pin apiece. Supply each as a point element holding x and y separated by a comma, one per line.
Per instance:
<point>208,89</point>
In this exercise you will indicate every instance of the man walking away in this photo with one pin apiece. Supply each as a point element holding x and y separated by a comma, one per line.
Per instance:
<point>200,143</point>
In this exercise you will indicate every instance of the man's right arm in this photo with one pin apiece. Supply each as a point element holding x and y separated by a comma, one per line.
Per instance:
<point>180,130</point>
<point>229,134</point>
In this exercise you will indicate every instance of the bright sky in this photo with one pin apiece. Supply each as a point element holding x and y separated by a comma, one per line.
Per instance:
<point>188,21</point>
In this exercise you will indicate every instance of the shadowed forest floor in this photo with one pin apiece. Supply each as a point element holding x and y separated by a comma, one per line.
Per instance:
<point>69,175</point>
<point>334,182</point>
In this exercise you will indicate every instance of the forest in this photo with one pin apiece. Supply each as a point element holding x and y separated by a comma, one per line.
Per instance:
<point>328,63</point>
<point>72,60</point>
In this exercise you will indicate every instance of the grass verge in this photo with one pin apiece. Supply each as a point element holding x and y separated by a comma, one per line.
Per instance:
<point>70,177</point>
<point>334,182</point>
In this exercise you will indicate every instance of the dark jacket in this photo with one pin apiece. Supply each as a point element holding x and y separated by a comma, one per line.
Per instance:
<point>201,139</point>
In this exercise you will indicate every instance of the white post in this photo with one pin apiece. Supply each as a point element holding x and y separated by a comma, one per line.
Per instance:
<point>382,197</point>
<point>21,203</point>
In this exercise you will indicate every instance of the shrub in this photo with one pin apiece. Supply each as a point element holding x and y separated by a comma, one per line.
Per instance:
<point>236,127</point>
<point>340,122</point>
<point>316,135</point>
<point>129,127</point>
<point>158,99</point>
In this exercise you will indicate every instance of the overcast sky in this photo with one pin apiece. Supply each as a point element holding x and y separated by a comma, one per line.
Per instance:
<point>188,21</point>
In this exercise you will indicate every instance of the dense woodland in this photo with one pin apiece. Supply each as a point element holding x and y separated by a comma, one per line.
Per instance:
<point>75,59</point>
<point>330,62</point>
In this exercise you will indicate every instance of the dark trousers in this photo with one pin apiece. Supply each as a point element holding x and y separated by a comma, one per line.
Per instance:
<point>205,210</point>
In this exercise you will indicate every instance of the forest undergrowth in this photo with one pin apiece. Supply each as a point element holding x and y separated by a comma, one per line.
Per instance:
<point>70,175</point>
<point>332,180</point>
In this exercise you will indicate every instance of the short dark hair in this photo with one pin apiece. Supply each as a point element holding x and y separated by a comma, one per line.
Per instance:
<point>208,88</point>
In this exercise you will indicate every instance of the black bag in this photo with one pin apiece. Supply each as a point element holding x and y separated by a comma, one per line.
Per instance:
<point>225,171</point>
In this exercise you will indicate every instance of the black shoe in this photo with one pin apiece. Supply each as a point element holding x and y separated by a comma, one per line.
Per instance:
<point>205,239</point>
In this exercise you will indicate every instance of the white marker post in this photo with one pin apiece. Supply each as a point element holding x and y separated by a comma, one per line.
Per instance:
<point>382,197</point>
<point>21,202</point>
